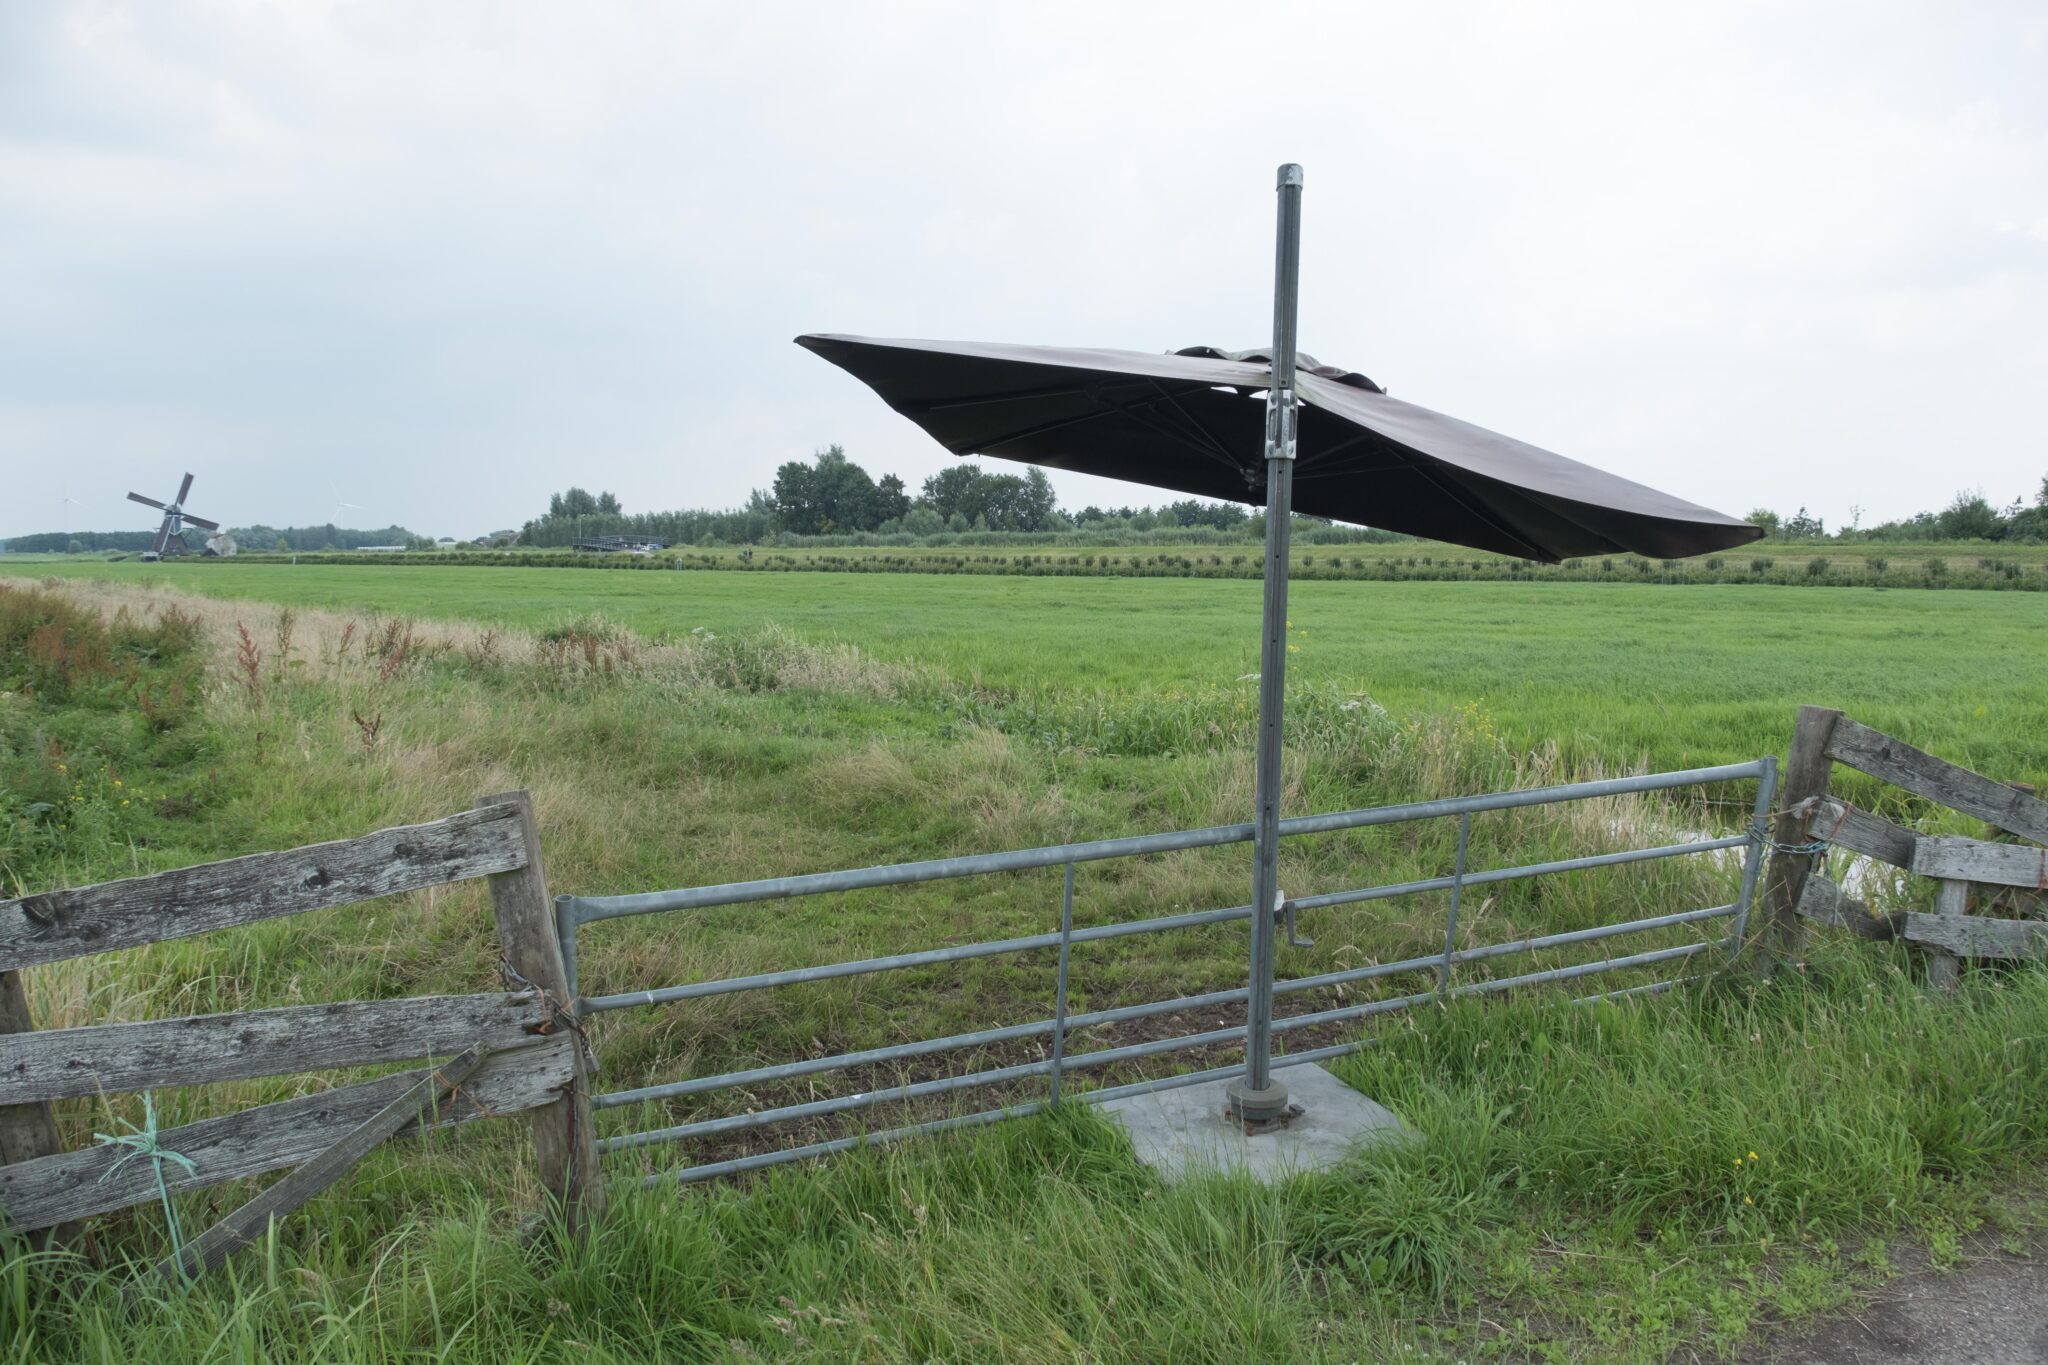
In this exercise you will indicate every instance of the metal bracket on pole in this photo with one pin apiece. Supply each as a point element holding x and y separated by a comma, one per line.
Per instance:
<point>1284,908</point>
<point>1283,420</point>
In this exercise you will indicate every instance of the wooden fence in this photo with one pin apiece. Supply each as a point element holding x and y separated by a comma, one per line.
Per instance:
<point>510,1053</point>
<point>1988,888</point>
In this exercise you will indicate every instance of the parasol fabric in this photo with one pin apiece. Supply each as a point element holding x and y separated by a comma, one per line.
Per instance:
<point>1194,421</point>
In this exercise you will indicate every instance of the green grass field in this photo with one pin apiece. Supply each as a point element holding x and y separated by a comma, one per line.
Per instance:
<point>1623,674</point>
<point>1611,1183</point>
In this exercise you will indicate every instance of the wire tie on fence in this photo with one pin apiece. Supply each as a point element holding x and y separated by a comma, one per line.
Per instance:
<point>559,1016</point>
<point>142,1142</point>
<point>456,1092</point>
<point>1758,835</point>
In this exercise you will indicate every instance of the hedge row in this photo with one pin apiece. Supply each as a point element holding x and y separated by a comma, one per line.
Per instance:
<point>1983,573</point>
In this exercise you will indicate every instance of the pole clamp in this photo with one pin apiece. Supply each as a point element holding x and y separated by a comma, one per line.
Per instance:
<point>1283,910</point>
<point>1283,411</point>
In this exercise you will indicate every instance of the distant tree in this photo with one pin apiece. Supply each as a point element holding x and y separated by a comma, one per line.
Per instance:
<point>892,503</point>
<point>575,502</point>
<point>950,491</point>
<point>1765,518</point>
<point>833,494</point>
<point>1193,512</point>
<point>75,547</point>
<point>1969,517</point>
<point>1037,504</point>
<point>283,545</point>
<point>1800,526</point>
<point>996,502</point>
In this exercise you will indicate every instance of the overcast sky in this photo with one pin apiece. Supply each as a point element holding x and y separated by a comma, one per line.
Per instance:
<point>440,260</point>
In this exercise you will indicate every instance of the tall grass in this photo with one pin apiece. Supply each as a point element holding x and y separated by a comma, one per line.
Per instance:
<point>1718,1151</point>
<point>1622,674</point>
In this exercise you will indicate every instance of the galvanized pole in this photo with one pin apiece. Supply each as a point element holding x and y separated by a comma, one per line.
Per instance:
<point>1258,1098</point>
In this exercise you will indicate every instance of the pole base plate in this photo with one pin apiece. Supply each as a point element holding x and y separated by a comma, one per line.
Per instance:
<point>1188,1131</point>
<point>1250,1106</point>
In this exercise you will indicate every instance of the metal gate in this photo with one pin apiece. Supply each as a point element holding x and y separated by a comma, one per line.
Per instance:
<point>1057,1068</point>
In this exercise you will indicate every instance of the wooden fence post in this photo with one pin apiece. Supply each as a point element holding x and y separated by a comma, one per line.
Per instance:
<point>1807,768</point>
<point>564,1144</point>
<point>1945,969</point>
<point>26,1130</point>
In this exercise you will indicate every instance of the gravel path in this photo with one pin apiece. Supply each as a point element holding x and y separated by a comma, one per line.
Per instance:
<point>1992,1312</point>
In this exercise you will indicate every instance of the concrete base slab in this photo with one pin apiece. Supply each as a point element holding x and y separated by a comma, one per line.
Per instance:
<point>1189,1130</point>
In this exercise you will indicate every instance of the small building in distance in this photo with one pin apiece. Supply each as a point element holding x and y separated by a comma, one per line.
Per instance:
<point>605,545</point>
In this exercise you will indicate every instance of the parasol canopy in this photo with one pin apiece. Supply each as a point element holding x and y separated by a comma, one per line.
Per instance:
<point>1194,421</point>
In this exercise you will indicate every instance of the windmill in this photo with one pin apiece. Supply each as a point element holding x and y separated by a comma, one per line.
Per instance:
<point>170,536</point>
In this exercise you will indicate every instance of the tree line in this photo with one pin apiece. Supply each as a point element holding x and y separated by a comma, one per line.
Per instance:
<point>831,495</point>
<point>254,538</point>
<point>1968,516</point>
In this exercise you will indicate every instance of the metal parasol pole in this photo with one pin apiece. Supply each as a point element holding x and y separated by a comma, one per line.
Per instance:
<point>1257,1097</point>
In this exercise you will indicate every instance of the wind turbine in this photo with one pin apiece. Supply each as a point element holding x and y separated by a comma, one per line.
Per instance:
<point>66,503</point>
<point>341,510</point>
<point>340,506</point>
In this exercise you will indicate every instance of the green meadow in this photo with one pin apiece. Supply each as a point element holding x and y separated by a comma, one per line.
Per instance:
<point>1625,674</point>
<point>1664,1176</point>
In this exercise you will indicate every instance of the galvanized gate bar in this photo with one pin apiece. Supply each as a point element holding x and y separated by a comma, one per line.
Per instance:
<point>761,1160</point>
<point>1443,979</point>
<point>1011,1033</point>
<point>1766,793</point>
<point>899,1051</point>
<point>572,911</point>
<point>1130,1052</point>
<point>664,995</point>
<point>1059,1008</point>
<point>589,909</point>
<point>1510,874</point>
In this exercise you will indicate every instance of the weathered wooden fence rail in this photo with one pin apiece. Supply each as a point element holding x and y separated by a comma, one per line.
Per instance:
<point>1973,874</point>
<point>513,1052</point>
